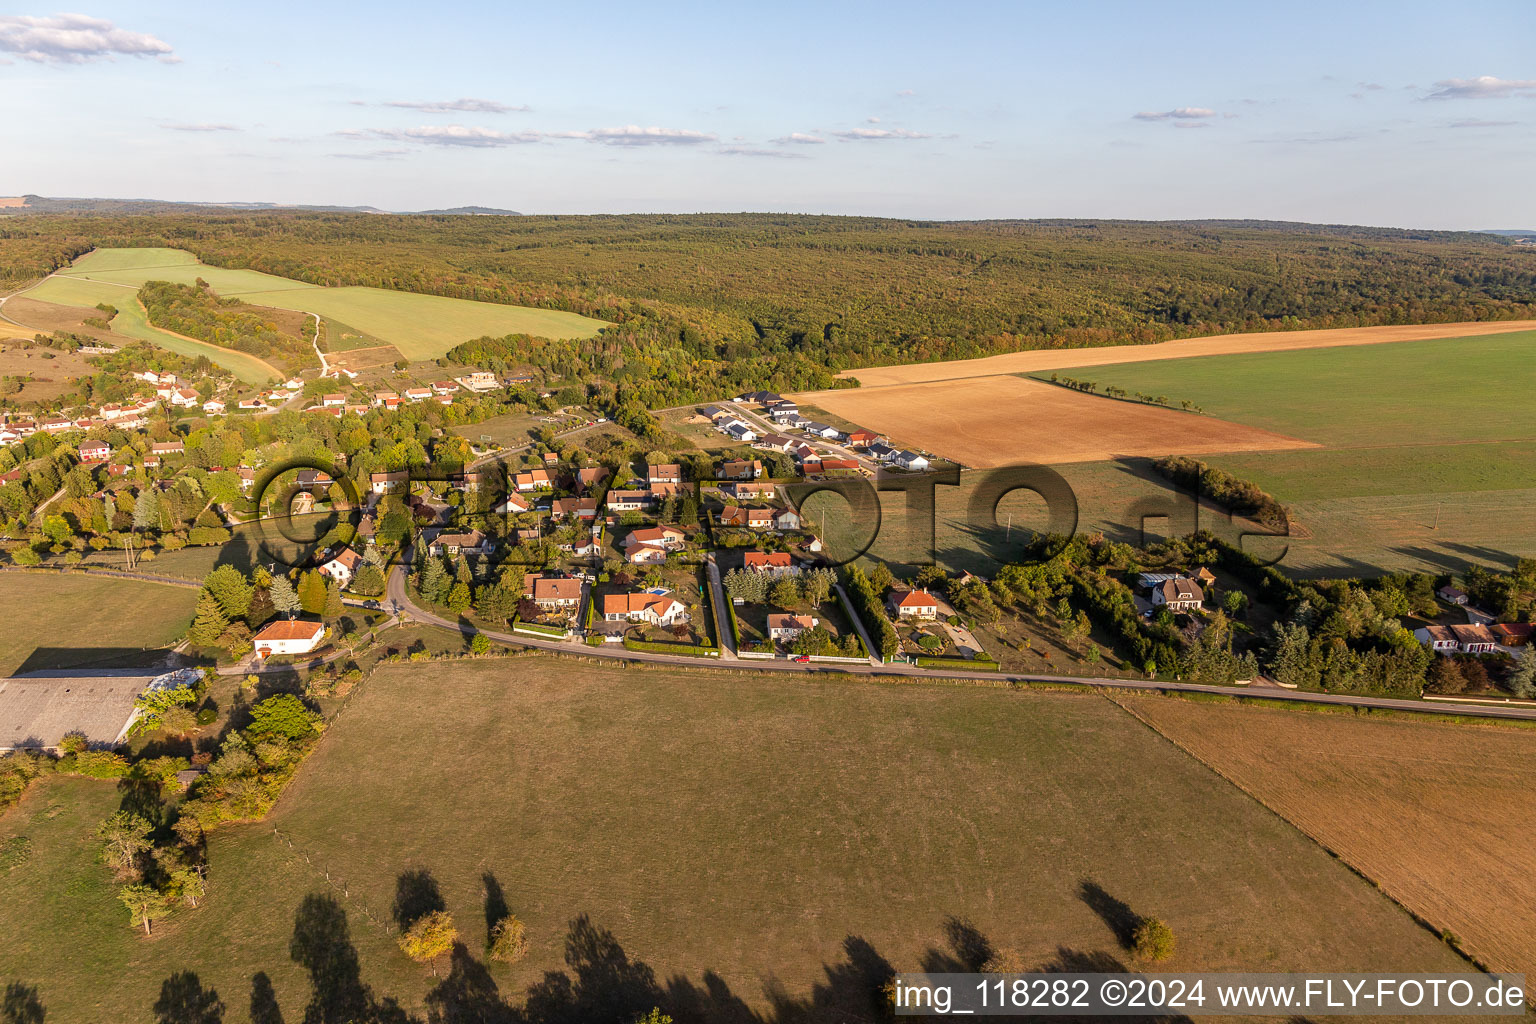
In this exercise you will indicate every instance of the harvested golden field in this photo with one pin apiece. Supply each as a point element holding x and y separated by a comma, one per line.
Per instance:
<point>47,317</point>
<point>982,422</point>
<point>1440,815</point>
<point>1220,345</point>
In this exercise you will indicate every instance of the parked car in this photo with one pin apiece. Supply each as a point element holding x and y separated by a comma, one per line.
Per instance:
<point>801,659</point>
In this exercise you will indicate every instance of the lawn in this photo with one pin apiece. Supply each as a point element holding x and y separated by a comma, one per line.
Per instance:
<point>420,326</point>
<point>66,621</point>
<point>766,830</point>
<point>1406,393</point>
<point>1439,815</point>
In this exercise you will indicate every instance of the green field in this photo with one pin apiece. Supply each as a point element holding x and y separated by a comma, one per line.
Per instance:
<point>1403,393</point>
<point>753,827</point>
<point>130,322</point>
<point>420,326</point>
<point>79,620</point>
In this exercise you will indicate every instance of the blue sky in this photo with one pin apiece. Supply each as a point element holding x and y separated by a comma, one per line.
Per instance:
<point>1405,114</point>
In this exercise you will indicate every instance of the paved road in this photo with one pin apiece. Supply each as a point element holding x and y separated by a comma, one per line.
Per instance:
<point>399,598</point>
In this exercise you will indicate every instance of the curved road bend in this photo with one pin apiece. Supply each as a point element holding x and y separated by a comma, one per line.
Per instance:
<point>397,596</point>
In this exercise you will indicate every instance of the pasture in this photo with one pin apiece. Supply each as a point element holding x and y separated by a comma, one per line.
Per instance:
<point>769,831</point>
<point>1045,360</point>
<point>131,322</point>
<point>1439,815</point>
<point>983,422</point>
<point>58,620</point>
<point>420,326</point>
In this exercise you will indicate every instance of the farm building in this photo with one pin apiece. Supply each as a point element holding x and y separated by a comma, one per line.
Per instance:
<point>38,710</point>
<point>1450,595</point>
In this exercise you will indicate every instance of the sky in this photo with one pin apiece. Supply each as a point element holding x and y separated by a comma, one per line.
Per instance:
<point>1405,114</point>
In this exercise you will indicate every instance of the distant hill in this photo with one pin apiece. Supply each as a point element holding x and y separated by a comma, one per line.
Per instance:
<point>43,204</point>
<point>1508,231</point>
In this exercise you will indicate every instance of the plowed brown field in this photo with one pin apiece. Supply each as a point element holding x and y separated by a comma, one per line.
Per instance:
<point>1440,815</point>
<point>1221,345</point>
<point>983,422</point>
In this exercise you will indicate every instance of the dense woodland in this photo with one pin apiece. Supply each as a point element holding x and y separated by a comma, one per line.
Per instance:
<point>197,312</point>
<point>706,304</point>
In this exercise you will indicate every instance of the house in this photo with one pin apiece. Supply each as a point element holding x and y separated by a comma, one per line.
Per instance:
<point>56,426</point>
<point>774,442</point>
<point>661,538</point>
<point>418,394</point>
<point>342,566</point>
<point>630,501</point>
<point>247,477</point>
<point>383,398</point>
<point>478,381</point>
<point>313,481</point>
<point>467,482</point>
<point>552,593</point>
<point>657,609</point>
<point>293,383</point>
<point>761,397</point>
<point>783,626</point>
<point>1436,638</point>
<point>587,479</point>
<point>574,508</point>
<point>472,543</point>
<point>785,412</point>
<point>786,519</point>
<point>738,469</point>
<point>1474,639</point>
<point>247,404</point>
<point>862,438</point>
<point>512,506</point>
<point>532,480</point>
<point>665,473</point>
<point>826,467</point>
<point>1512,634</point>
<point>111,411</point>
<point>95,451</point>
<point>386,483</point>
<point>823,430</point>
<point>750,490</point>
<point>739,431</point>
<point>914,604</point>
<point>185,398</point>
<point>1203,576</point>
<point>880,451</point>
<point>751,518</point>
<point>1450,595</point>
<point>910,460</point>
<point>288,636</point>
<point>213,407</point>
<point>803,452</point>
<point>333,400</point>
<point>444,387</point>
<point>153,462</point>
<point>776,563</point>
<point>1179,595</point>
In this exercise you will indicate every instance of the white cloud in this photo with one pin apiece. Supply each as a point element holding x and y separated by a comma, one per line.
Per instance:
<point>871,120</point>
<point>907,92</point>
<point>757,151</point>
<point>466,106</point>
<point>1483,87</point>
<point>446,135</point>
<point>202,127</point>
<point>1477,123</point>
<point>634,135</point>
<point>799,139</point>
<point>75,39</point>
<point>1176,114</point>
<point>863,134</point>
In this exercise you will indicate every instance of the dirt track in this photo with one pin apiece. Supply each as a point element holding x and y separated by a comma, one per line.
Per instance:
<point>982,422</point>
<point>1221,345</point>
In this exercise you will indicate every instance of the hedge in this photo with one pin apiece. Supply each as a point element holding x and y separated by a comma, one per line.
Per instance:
<point>959,664</point>
<point>688,650</point>
<point>854,616</point>
<point>533,627</point>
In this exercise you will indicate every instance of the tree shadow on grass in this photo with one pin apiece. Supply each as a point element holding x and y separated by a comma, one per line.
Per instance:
<point>322,945</point>
<point>416,895</point>
<point>969,950</point>
<point>264,1008</point>
<point>1116,913</point>
<point>21,1005</point>
<point>496,909</point>
<point>184,1000</point>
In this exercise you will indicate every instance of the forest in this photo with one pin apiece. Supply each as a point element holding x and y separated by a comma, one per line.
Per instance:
<point>197,312</point>
<point>704,304</point>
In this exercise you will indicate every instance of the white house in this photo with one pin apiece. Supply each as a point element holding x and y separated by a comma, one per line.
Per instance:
<point>288,636</point>
<point>914,604</point>
<point>783,626</point>
<point>342,567</point>
<point>909,460</point>
<point>657,609</point>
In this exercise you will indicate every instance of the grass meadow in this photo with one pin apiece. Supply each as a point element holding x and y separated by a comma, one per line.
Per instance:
<point>57,620</point>
<point>782,835</point>
<point>420,326</point>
